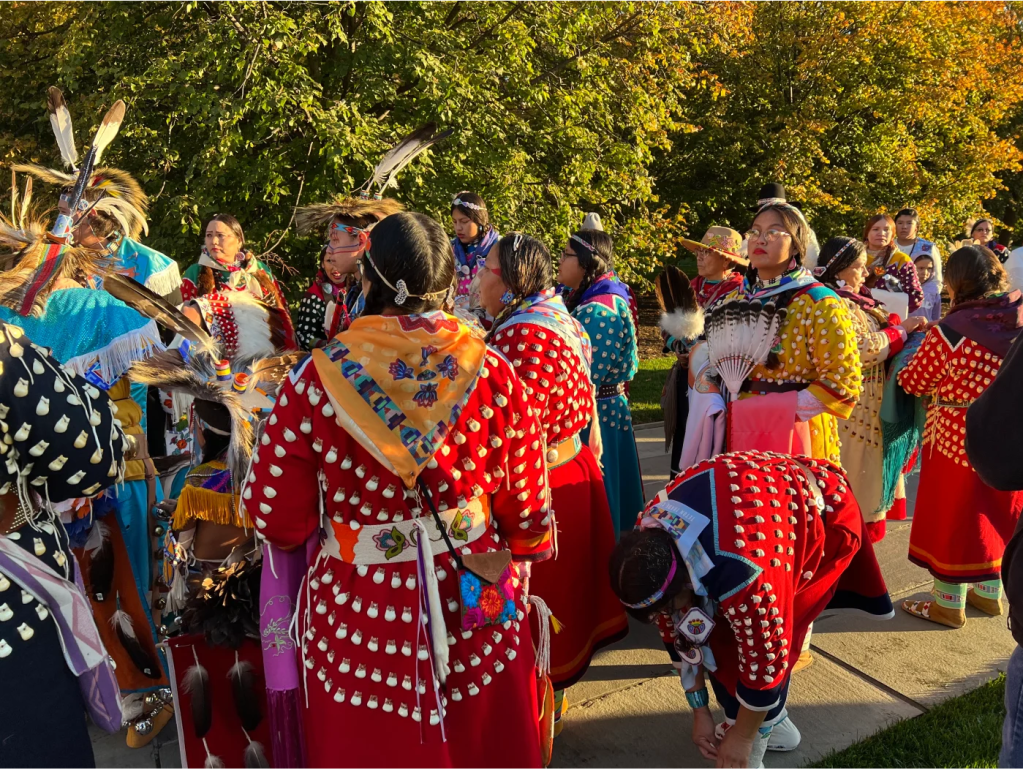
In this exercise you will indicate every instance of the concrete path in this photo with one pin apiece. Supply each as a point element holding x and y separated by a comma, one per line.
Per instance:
<point>630,711</point>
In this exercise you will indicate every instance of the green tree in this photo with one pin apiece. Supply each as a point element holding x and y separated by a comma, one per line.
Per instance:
<point>856,107</point>
<point>250,107</point>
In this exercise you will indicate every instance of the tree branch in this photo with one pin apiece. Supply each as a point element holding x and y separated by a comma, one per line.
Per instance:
<point>622,29</point>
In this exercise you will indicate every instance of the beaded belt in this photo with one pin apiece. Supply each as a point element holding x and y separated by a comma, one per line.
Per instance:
<point>564,451</point>
<point>952,404</point>
<point>763,387</point>
<point>396,541</point>
<point>610,391</point>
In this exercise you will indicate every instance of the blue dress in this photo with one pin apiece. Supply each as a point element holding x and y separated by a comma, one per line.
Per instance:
<point>604,313</point>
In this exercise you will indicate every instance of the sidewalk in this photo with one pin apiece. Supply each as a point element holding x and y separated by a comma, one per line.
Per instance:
<point>630,711</point>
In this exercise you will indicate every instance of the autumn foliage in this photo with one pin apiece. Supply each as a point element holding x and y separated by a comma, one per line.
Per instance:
<point>665,118</point>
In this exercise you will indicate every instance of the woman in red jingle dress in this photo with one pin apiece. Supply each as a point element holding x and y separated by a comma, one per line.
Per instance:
<point>961,525</point>
<point>551,354</point>
<point>395,409</point>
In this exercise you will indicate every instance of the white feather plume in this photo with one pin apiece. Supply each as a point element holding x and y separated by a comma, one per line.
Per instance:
<point>683,325</point>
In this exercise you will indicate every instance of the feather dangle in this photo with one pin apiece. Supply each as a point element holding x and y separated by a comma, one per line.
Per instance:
<point>152,305</point>
<point>246,693</point>
<point>682,316</point>
<point>196,683</point>
<point>60,122</point>
<point>740,335</point>
<point>101,561</point>
<point>125,629</point>
<point>255,755</point>
<point>385,173</point>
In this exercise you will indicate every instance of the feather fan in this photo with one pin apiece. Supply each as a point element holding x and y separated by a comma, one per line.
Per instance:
<point>60,121</point>
<point>152,305</point>
<point>196,683</point>
<point>125,629</point>
<point>101,561</point>
<point>386,171</point>
<point>246,694</point>
<point>740,335</point>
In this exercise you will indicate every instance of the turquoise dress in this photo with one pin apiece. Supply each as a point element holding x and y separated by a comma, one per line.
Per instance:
<point>604,313</point>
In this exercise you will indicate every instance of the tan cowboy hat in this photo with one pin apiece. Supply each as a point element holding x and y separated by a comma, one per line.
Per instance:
<point>723,241</point>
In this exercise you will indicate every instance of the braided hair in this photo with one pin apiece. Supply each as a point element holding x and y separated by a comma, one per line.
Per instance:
<point>525,270</point>
<point>596,257</point>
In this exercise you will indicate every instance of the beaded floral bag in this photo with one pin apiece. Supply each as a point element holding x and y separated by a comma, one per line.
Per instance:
<point>485,581</point>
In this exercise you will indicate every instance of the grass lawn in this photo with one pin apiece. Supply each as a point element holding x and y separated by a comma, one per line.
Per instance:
<point>962,732</point>
<point>645,390</point>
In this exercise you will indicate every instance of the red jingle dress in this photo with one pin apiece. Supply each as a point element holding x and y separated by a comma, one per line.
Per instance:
<point>551,352</point>
<point>390,406</point>
<point>960,524</point>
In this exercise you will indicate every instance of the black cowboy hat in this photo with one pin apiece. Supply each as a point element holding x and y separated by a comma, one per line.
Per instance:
<point>771,192</point>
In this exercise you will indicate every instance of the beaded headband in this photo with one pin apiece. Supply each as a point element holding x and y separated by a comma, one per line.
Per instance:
<point>659,593</point>
<point>819,271</point>
<point>589,246</point>
<point>473,206</point>
<point>401,290</point>
<point>355,232</point>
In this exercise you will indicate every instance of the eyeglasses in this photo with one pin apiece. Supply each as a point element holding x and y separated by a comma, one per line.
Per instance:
<point>772,234</point>
<point>568,255</point>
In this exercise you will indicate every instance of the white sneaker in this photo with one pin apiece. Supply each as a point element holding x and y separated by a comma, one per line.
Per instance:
<point>784,736</point>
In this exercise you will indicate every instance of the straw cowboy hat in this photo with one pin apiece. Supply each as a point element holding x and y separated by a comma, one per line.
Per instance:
<point>723,241</point>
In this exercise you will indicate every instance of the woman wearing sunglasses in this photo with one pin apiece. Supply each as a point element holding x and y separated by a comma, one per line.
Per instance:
<point>551,353</point>
<point>334,298</point>
<point>413,449</point>
<point>601,303</point>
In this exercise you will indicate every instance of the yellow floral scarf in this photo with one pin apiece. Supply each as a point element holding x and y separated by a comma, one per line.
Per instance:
<point>398,383</point>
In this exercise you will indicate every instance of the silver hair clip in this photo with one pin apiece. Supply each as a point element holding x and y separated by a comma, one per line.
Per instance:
<point>517,242</point>
<point>401,292</point>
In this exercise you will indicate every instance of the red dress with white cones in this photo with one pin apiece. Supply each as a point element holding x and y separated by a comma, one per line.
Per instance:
<point>368,658</point>
<point>960,524</point>
<point>575,584</point>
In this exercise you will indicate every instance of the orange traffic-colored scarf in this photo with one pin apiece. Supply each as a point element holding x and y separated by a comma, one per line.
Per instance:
<point>398,384</point>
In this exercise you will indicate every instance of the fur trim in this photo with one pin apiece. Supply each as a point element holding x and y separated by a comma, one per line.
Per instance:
<point>313,219</point>
<point>682,325</point>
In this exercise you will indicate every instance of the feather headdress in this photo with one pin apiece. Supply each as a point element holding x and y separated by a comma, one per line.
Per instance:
<point>370,204</point>
<point>740,335</point>
<point>108,190</point>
